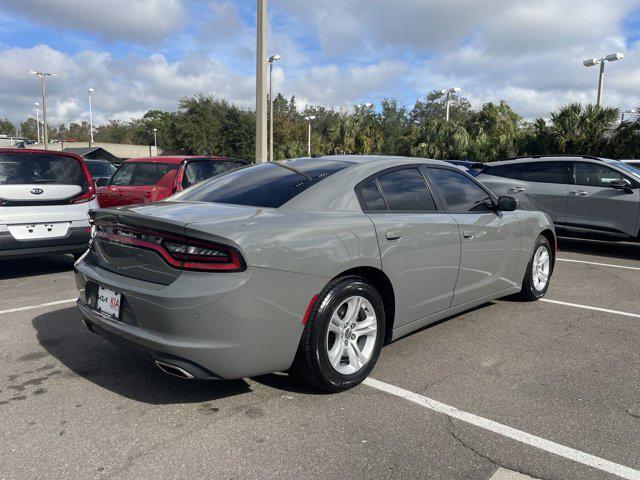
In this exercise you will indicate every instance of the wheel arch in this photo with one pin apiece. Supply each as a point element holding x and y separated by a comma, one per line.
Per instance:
<point>383,285</point>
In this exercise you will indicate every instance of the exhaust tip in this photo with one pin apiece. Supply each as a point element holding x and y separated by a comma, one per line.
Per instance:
<point>173,370</point>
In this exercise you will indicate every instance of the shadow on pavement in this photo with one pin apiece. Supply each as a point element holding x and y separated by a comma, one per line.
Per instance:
<point>26,267</point>
<point>623,250</point>
<point>86,354</point>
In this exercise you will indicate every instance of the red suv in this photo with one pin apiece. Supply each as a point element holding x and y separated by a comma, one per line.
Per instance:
<point>142,180</point>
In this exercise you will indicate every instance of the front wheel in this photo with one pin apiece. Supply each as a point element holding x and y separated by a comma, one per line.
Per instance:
<point>343,336</point>
<point>539,270</point>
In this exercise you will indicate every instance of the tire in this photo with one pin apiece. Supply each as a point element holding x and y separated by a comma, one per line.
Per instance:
<point>326,343</point>
<point>532,286</point>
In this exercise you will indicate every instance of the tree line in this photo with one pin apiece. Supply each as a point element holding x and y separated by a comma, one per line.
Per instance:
<point>207,125</point>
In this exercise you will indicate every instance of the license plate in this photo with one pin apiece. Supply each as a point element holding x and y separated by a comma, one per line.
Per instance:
<point>37,231</point>
<point>108,302</point>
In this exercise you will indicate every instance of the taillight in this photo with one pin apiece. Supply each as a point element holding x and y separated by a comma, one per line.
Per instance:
<point>179,252</point>
<point>90,194</point>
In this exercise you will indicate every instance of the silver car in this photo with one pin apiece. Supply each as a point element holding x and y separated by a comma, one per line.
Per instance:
<point>308,264</point>
<point>585,196</point>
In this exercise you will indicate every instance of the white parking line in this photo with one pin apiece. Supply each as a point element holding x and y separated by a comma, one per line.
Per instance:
<point>509,432</point>
<point>597,263</point>
<point>41,305</point>
<point>587,307</point>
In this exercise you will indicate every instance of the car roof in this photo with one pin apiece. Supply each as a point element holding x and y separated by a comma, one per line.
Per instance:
<point>379,158</point>
<point>179,159</point>
<point>545,158</point>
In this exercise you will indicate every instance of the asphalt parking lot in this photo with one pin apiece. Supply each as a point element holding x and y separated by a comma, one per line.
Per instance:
<point>549,389</point>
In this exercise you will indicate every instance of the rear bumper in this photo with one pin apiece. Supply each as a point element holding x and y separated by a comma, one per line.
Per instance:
<point>76,241</point>
<point>212,325</point>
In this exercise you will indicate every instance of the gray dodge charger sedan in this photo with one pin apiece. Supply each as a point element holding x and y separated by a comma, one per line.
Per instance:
<point>309,264</point>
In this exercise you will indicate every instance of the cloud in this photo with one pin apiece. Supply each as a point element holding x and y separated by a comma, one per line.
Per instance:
<point>144,21</point>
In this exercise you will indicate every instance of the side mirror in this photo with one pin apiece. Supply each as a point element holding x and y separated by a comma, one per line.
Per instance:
<point>507,204</point>
<point>620,184</point>
<point>102,182</point>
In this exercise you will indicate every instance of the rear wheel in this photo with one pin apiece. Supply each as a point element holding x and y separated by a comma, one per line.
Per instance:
<point>538,274</point>
<point>343,336</point>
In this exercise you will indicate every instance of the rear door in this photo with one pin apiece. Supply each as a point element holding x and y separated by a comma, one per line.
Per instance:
<point>419,243</point>
<point>490,239</point>
<point>594,205</point>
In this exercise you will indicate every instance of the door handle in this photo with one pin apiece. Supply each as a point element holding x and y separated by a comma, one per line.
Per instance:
<point>393,235</point>
<point>516,189</point>
<point>467,234</point>
<point>579,193</point>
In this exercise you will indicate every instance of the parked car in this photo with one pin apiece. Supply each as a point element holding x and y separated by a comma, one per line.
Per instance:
<point>472,168</point>
<point>44,200</point>
<point>100,169</point>
<point>311,262</point>
<point>585,196</point>
<point>143,180</point>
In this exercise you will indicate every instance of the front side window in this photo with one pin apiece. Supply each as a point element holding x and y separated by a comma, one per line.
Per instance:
<point>594,174</point>
<point>406,191</point>
<point>544,172</point>
<point>461,194</point>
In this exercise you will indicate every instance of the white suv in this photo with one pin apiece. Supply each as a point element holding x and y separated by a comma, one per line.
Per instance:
<point>45,197</point>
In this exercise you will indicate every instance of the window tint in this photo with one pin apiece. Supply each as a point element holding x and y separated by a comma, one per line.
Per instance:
<point>460,193</point>
<point>545,172</point>
<point>199,170</point>
<point>27,168</point>
<point>594,174</point>
<point>506,171</point>
<point>100,169</point>
<point>142,174</point>
<point>406,190</point>
<point>268,185</point>
<point>372,197</point>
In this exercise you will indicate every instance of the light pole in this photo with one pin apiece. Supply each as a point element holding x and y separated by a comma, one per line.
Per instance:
<point>590,62</point>
<point>272,58</point>
<point>448,92</point>
<point>42,75</point>
<point>37,105</point>
<point>91,90</point>
<point>309,119</point>
<point>155,140</point>
<point>261,83</point>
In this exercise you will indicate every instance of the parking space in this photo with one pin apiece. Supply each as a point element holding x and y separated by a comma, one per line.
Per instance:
<point>553,389</point>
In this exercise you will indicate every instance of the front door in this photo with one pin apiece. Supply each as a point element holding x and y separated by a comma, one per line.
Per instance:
<point>594,205</point>
<point>490,240</point>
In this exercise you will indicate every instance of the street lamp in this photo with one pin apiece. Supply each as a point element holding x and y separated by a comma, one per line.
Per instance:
<point>155,140</point>
<point>42,75</point>
<point>448,92</point>
<point>37,105</point>
<point>272,58</point>
<point>309,119</point>
<point>91,90</point>
<point>590,62</point>
<point>261,82</point>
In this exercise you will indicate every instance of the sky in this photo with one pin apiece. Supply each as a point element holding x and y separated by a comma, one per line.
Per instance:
<point>147,54</point>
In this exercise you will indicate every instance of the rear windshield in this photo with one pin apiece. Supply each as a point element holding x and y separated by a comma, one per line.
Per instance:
<point>142,173</point>
<point>268,185</point>
<point>30,168</point>
<point>100,169</point>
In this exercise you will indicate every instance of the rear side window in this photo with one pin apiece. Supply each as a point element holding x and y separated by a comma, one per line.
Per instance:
<point>268,185</point>
<point>507,171</point>
<point>594,175</point>
<point>142,174</point>
<point>544,172</point>
<point>197,171</point>
<point>406,191</point>
<point>371,197</point>
<point>461,194</point>
<point>26,168</point>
